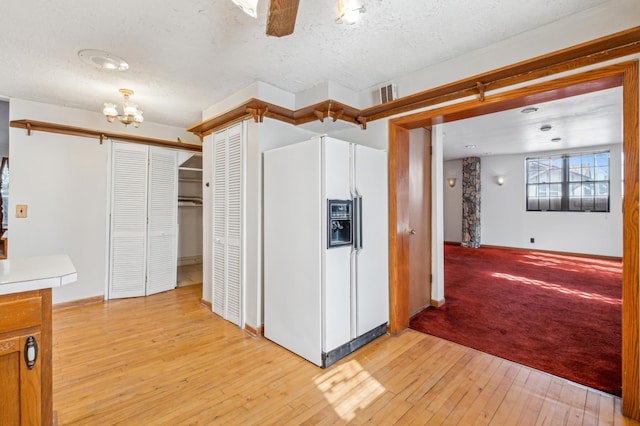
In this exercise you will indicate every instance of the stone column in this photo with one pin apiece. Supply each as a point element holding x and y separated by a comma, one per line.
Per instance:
<point>471,202</point>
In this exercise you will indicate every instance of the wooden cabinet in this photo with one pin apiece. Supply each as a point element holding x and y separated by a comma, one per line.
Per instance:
<point>25,387</point>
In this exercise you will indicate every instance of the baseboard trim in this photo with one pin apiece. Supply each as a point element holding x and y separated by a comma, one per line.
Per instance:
<point>189,260</point>
<point>255,332</point>
<point>437,303</point>
<point>564,253</point>
<point>206,304</point>
<point>76,303</point>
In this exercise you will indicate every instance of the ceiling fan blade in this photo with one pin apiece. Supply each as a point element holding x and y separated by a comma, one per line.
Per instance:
<point>282,17</point>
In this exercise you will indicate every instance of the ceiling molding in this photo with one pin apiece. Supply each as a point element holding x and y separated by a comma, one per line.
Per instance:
<point>257,109</point>
<point>606,48</point>
<point>63,129</point>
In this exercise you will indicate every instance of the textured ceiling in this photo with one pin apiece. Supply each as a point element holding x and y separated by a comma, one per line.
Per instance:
<point>186,55</point>
<point>580,122</point>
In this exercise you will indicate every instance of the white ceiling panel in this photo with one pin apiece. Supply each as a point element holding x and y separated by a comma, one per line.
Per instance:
<point>586,120</point>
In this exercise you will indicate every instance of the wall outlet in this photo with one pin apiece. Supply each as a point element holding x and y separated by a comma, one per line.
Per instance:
<point>532,240</point>
<point>21,210</point>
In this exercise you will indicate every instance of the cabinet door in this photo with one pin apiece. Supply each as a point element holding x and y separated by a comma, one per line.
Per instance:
<point>127,267</point>
<point>227,223</point>
<point>162,229</point>
<point>20,387</point>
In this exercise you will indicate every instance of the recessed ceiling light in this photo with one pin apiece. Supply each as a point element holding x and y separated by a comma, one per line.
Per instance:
<point>469,146</point>
<point>556,139</point>
<point>103,60</point>
<point>545,128</point>
<point>528,110</point>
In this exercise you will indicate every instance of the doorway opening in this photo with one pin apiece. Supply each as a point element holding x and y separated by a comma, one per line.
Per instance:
<point>625,75</point>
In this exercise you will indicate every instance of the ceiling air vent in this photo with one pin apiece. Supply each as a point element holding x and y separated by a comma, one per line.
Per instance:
<point>388,93</point>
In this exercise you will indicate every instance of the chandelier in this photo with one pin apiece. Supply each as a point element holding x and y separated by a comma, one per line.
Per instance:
<point>131,113</point>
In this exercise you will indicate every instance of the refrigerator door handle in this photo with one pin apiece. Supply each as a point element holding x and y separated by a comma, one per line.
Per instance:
<point>357,222</point>
<point>360,244</point>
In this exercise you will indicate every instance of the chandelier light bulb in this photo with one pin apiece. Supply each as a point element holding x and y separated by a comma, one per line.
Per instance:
<point>110,111</point>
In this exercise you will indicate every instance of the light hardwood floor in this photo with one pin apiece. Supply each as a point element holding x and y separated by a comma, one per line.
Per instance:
<point>166,360</point>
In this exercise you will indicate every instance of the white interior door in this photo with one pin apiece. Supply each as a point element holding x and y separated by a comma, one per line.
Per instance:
<point>227,224</point>
<point>219,223</point>
<point>234,224</point>
<point>207,215</point>
<point>162,229</point>
<point>127,266</point>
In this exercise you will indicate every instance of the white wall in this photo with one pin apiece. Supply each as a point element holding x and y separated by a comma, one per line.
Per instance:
<point>190,218</point>
<point>63,180</point>
<point>505,221</point>
<point>190,242</point>
<point>452,201</point>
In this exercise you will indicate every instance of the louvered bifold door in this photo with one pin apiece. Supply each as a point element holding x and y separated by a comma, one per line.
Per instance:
<point>219,222</point>
<point>162,229</point>
<point>128,220</point>
<point>227,224</point>
<point>234,224</point>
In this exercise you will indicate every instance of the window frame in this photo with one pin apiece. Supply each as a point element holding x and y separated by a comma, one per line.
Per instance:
<point>564,169</point>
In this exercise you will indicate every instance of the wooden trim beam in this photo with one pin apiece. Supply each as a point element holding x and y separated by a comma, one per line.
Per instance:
<point>606,48</point>
<point>257,109</point>
<point>281,19</point>
<point>64,129</point>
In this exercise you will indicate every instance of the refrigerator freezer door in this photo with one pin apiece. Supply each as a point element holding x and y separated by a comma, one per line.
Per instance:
<point>336,283</point>
<point>293,245</point>
<point>372,260</point>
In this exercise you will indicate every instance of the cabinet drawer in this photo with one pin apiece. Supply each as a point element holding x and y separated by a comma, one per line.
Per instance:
<point>20,312</point>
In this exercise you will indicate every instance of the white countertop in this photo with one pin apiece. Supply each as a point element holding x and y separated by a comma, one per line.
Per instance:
<point>35,273</point>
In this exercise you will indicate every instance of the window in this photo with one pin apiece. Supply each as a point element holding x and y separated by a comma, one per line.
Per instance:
<point>570,182</point>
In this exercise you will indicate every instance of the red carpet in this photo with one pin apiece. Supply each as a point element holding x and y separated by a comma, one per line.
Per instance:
<point>559,314</point>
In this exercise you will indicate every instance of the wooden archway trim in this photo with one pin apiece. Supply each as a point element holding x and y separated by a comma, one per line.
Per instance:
<point>623,74</point>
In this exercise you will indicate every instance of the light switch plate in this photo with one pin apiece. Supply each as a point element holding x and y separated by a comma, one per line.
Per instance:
<point>21,210</point>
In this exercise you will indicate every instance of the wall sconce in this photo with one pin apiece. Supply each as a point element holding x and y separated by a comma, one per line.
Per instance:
<point>451,182</point>
<point>500,180</point>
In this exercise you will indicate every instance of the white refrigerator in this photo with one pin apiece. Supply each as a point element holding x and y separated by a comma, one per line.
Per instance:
<point>326,278</point>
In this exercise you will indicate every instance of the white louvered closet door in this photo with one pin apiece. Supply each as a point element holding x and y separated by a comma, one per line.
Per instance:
<point>128,220</point>
<point>227,224</point>
<point>162,229</point>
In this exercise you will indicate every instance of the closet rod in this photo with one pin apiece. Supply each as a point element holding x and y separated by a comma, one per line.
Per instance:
<point>64,129</point>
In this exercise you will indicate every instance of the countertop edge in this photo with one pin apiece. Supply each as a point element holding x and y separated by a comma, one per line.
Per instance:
<point>36,273</point>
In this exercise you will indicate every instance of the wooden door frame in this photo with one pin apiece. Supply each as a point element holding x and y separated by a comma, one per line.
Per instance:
<point>623,74</point>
